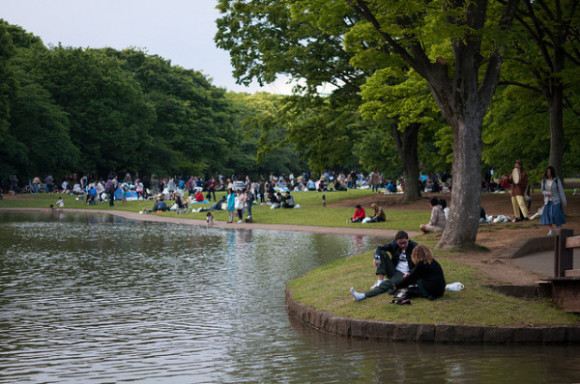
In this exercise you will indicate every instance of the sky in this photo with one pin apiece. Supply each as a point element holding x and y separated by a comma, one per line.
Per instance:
<point>178,30</point>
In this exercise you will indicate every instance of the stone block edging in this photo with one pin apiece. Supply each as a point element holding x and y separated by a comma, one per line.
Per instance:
<point>420,333</point>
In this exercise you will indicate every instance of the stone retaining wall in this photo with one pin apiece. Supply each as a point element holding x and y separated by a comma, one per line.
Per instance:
<point>440,333</point>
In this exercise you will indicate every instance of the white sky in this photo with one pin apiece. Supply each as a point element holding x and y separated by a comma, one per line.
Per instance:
<point>178,30</point>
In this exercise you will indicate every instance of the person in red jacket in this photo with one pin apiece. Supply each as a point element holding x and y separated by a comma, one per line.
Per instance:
<point>359,214</point>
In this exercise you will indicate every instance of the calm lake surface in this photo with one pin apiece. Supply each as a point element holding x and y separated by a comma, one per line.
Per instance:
<point>99,299</point>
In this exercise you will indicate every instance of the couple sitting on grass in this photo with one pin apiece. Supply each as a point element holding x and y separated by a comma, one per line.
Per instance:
<point>410,266</point>
<point>360,215</point>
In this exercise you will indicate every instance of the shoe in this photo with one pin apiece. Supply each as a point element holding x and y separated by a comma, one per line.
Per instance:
<point>356,295</point>
<point>526,219</point>
<point>239,221</point>
<point>517,220</point>
<point>550,233</point>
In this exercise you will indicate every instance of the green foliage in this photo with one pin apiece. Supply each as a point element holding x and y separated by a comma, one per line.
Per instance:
<point>517,127</point>
<point>95,111</point>
<point>7,80</point>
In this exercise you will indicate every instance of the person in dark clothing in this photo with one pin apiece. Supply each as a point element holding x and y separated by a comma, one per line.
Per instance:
<point>218,206</point>
<point>287,201</point>
<point>159,205</point>
<point>394,268</point>
<point>426,277</point>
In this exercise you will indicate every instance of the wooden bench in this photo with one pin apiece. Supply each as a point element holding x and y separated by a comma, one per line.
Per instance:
<point>565,285</point>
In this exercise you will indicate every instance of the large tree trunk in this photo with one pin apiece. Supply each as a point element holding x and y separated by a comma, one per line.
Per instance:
<point>407,142</point>
<point>463,223</point>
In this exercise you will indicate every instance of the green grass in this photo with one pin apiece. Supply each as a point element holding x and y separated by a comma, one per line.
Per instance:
<point>327,289</point>
<point>311,211</point>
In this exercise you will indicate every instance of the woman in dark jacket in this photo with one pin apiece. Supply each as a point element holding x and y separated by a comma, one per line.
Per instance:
<point>427,275</point>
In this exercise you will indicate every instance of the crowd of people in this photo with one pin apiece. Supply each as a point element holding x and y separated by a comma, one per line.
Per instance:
<point>329,180</point>
<point>276,191</point>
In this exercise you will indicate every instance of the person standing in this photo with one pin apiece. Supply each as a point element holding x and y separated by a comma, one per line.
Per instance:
<point>211,184</point>
<point>519,182</point>
<point>240,204</point>
<point>49,181</point>
<point>262,191</point>
<point>231,203</point>
<point>110,187</point>
<point>375,180</point>
<point>554,199</point>
<point>249,201</point>
<point>60,204</point>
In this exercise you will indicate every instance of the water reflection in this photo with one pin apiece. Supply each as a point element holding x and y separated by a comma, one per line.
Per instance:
<point>96,299</point>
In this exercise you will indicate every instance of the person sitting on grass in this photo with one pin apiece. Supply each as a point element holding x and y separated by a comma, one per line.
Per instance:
<point>287,201</point>
<point>437,221</point>
<point>199,196</point>
<point>378,214</point>
<point>218,205</point>
<point>159,205</point>
<point>180,204</point>
<point>359,214</point>
<point>395,268</point>
<point>426,279</point>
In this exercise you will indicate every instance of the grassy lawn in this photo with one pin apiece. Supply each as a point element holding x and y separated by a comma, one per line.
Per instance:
<point>311,211</point>
<point>327,288</point>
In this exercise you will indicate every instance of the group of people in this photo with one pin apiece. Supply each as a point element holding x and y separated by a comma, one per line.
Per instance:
<point>403,263</point>
<point>360,214</point>
<point>552,212</point>
<point>439,215</point>
<point>237,201</point>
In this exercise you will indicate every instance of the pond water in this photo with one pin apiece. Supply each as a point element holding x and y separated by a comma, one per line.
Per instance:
<point>99,299</point>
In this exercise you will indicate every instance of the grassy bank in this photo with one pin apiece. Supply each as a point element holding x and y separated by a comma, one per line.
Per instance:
<point>327,289</point>
<point>311,211</point>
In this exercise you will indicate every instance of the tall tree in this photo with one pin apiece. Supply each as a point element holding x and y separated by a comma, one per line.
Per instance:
<point>444,42</point>
<point>544,60</point>
<point>193,129</point>
<point>109,119</point>
<point>7,78</point>
<point>264,41</point>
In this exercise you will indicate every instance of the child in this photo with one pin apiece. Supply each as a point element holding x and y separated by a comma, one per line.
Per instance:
<point>60,204</point>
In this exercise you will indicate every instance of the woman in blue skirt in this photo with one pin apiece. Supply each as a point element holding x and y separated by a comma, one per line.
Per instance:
<point>554,200</point>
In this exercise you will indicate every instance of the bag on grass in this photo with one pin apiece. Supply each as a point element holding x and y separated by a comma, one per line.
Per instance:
<point>457,286</point>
